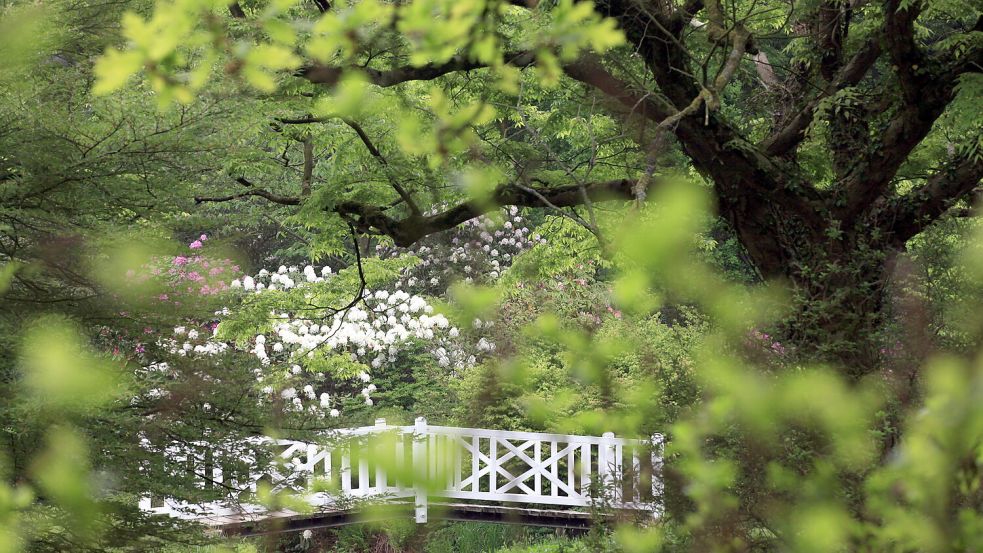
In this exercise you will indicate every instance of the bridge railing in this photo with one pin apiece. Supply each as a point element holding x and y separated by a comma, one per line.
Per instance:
<point>470,464</point>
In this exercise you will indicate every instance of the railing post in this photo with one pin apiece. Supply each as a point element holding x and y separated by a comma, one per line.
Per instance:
<point>658,445</point>
<point>420,465</point>
<point>606,462</point>
<point>380,471</point>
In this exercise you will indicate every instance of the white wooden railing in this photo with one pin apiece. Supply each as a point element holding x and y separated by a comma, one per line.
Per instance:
<point>424,461</point>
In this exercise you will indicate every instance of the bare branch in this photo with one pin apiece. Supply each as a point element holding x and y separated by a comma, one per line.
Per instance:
<point>385,165</point>
<point>764,69</point>
<point>300,120</point>
<point>308,174</point>
<point>277,199</point>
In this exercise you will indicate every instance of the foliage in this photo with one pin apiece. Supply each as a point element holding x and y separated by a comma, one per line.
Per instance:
<point>769,290</point>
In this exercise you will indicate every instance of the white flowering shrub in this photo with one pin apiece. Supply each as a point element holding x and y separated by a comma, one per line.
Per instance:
<point>308,356</point>
<point>313,347</point>
<point>478,251</point>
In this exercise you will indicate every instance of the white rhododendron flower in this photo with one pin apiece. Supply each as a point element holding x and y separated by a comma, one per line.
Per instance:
<point>377,329</point>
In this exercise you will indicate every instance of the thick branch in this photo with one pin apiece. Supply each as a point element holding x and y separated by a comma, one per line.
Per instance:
<point>920,207</point>
<point>832,26</point>
<point>235,9</point>
<point>765,71</point>
<point>589,70</point>
<point>928,85</point>
<point>792,134</point>
<point>404,232</point>
<point>906,57</point>
<point>329,75</point>
<point>871,177</point>
<point>372,219</point>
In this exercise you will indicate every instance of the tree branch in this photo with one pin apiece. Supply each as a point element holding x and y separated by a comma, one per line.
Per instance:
<point>917,209</point>
<point>372,219</point>
<point>277,199</point>
<point>385,165</point>
<point>300,120</point>
<point>906,57</point>
<point>832,27</point>
<point>329,75</point>
<point>589,71</point>
<point>235,9</point>
<point>404,232</point>
<point>308,174</point>
<point>852,73</point>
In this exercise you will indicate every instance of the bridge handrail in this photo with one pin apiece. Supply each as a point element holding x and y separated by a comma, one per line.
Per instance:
<point>502,465</point>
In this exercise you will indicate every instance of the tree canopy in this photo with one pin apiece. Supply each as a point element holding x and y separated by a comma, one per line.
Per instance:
<point>749,225</point>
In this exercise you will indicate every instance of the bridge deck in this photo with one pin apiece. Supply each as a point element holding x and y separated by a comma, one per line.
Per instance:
<point>289,521</point>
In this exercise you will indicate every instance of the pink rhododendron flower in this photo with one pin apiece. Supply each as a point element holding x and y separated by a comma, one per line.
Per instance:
<point>195,245</point>
<point>203,237</point>
<point>180,260</point>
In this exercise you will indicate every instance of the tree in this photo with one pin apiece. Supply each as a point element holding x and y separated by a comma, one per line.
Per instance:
<point>866,96</point>
<point>75,210</point>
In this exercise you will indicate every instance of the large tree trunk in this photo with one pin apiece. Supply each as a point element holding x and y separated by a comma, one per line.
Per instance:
<point>837,278</point>
<point>839,311</point>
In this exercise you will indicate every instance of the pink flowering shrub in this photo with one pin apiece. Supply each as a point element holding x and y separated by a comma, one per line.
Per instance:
<point>181,282</point>
<point>187,277</point>
<point>764,349</point>
<point>196,274</point>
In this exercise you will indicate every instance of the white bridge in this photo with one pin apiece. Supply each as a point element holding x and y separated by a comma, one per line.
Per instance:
<point>477,473</point>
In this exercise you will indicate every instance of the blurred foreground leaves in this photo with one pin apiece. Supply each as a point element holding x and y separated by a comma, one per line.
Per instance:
<point>796,459</point>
